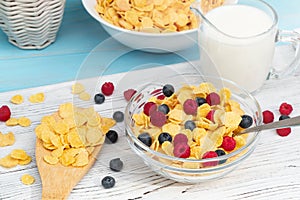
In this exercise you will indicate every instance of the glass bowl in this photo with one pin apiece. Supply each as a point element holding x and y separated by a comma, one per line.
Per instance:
<point>173,167</point>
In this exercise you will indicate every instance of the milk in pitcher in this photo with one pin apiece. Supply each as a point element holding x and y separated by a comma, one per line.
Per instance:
<point>240,44</point>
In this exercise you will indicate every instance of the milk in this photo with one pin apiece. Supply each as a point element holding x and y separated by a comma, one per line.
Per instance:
<point>244,51</point>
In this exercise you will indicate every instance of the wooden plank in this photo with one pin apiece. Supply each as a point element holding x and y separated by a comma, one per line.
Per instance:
<point>272,171</point>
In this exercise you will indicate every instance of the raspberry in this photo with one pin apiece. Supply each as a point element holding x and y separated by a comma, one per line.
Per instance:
<point>213,99</point>
<point>285,108</point>
<point>182,150</point>
<point>283,131</point>
<point>190,107</point>
<point>107,88</point>
<point>210,115</point>
<point>4,113</point>
<point>129,93</point>
<point>180,138</point>
<point>158,118</point>
<point>268,116</point>
<point>210,154</point>
<point>149,107</point>
<point>228,143</point>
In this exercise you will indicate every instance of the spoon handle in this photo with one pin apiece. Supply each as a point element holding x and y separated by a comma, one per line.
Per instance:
<point>294,121</point>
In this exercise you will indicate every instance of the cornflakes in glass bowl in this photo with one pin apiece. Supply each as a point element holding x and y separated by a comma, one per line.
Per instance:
<point>186,132</point>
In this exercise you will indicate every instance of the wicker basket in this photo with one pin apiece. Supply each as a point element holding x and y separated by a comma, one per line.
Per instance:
<point>31,24</point>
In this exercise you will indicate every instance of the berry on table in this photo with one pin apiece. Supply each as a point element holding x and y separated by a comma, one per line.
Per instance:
<point>210,154</point>
<point>118,116</point>
<point>145,138</point>
<point>283,131</point>
<point>283,117</point>
<point>168,90</point>
<point>190,107</point>
<point>149,107</point>
<point>111,137</point>
<point>268,116</point>
<point>200,101</point>
<point>164,136</point>
<point>128,94</point>
<point>4,113</point>
<point>158,118</point>
<point>99,98</point>
<point>220,152</point>
<point>246,122</point>
<point>285,108</point>
<point>108,182</point>
<point>189,124</point>
<point>228,143</point>
<point>107,88</point>
<point>163,108</point>
<point>180,138</point>
<point>213,99</point>
<point>116,164</point>
<point>182,150</point>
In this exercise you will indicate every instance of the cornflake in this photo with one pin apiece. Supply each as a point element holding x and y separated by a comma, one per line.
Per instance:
<point>27,179</point>
<point>17,156</point>
<point>7,139</point>
<point>17,99</point>
<point>71,133</point>
<point>37,98</point>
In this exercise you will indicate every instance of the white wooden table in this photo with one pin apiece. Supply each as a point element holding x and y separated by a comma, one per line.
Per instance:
<point>271,172</point>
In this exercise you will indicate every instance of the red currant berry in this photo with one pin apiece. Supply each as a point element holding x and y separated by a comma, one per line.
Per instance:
<point>182,150</point>
<point>4,113</point>
<point>210,154</point>
<point>190,107</point>
<point>213,99</point>
<point>283,131</point>
<point>210,115</point>
<point>149,107</point>
<point>180,138</point>
<point>128,94</point>
<point>107,88</point>
<point>228,143</point>
<point>268,116</point>
<point>158,118</point>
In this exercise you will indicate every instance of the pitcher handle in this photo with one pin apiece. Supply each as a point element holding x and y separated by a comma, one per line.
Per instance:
<point>293,38</point>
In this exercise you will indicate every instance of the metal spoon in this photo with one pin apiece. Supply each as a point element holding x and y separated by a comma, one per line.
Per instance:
<point>294,121</point>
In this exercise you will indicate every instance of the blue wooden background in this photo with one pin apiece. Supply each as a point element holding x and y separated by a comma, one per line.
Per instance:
<point>78,36</point>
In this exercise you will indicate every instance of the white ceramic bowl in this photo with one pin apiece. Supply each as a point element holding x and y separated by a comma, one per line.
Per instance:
<point>150,42</point>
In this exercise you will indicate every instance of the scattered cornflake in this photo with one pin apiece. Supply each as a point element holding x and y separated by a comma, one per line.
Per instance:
<point>22,121</point>
<point>77,88</point>
<point>27,179</point>
<point>7,139</point>
<point>37,98</point>
<point>17,156</point>
<point>84,96</point>
<point>17,99</point>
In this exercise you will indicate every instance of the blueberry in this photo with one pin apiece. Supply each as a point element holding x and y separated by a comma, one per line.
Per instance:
<point>220,152</point>
<point>164,108</point>
<point>200,101</point>
<point>283,117</point>
<point>108,182</point>
<point>118,116</point>
<point>168,90</point>
<point>164,136</point>
<point>246,121</point>
<point>189,124</point>
<point>111,137</point>
<point>99,98</point>
<point>145,138</point>
<point>116,164</point>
